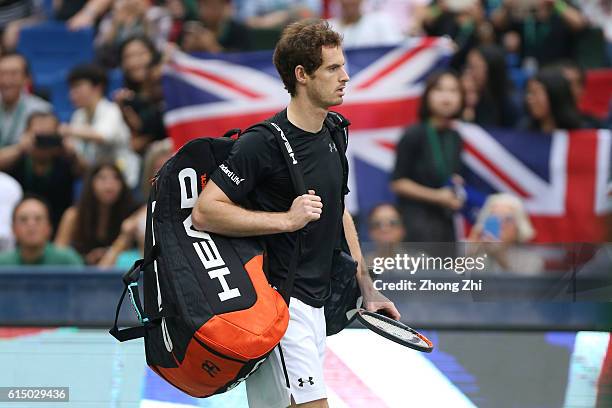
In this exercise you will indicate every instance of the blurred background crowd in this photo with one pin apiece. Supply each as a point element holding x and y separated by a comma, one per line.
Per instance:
<point>81,107</point>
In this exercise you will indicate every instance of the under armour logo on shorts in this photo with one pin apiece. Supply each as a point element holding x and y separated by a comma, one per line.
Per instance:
<point>309,381</point>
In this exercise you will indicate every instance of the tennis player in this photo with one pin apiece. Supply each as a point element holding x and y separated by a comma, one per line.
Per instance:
<point>251,194</point>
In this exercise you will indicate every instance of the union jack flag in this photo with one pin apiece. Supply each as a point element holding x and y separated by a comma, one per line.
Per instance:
<point>564,178</point>
<point>207,95</point>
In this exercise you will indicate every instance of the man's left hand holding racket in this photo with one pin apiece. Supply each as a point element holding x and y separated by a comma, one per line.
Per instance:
<point>373,300</point>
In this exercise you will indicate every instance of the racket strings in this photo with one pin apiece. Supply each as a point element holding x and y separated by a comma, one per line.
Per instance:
<point>396,331</point>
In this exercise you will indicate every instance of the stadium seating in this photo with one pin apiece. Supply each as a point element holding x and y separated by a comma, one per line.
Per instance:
<point>52,50</point>
<point>50,47</point>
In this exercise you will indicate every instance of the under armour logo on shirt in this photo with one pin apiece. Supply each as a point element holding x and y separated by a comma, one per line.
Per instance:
<point>309,381</point>
<point>332,147</point>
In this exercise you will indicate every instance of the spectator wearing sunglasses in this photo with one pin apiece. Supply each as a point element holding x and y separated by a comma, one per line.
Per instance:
<point>385,225</point>
<point>501,231</point>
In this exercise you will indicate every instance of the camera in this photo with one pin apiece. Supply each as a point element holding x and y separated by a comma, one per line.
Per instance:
<point>47,140</point>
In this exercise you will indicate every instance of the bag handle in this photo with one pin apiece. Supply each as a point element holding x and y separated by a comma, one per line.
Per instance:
<point>130,283</point>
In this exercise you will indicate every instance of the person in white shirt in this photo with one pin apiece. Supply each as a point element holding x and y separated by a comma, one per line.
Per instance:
<point>11,194</point>
<point>15,104</point>
<point>97,126</point>
<point>363,30</point>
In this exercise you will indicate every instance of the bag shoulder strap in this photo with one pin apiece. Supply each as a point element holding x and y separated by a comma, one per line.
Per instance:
<point>297,180</point>
<point>338,129</point>
<point>295,171</point>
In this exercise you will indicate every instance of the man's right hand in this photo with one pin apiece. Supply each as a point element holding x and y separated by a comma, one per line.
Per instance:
<point>305,208</point>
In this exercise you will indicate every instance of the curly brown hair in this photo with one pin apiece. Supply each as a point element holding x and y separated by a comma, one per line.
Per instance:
<point>301,44</point>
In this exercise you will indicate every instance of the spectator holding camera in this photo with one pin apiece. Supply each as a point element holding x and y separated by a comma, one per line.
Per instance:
<point>141,98</point>
<point>16,105</point>
<point>426,175</point>
<point>549,103</point>
<point>94,222</point>
<point>44,163</point>
<point>97,126</point>
<point>501,228</point>
<point>32,230</point>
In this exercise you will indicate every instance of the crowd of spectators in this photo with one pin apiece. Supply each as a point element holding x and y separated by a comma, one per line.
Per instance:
<point>517,64</point>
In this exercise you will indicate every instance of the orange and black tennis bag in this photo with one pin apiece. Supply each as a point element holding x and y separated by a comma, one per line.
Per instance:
<point>210,317</point>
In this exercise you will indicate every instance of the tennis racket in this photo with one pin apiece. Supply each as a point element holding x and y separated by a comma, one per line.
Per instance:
<point>394,331</point>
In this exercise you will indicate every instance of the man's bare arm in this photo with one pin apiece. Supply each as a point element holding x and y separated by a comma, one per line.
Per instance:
<point>372,299</point>
<point>350,232</point>
<point>215,212</point>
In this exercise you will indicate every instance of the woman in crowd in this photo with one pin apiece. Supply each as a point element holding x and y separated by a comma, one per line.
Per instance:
<point>501,227</point>
<point>486,67</point>
<point>140,99</point>
<point>386,231</point>
<point>137,55</point>
<point>549,103</point>
<point>92,225</point>
<point>426,176</point>
<point>134,227</point>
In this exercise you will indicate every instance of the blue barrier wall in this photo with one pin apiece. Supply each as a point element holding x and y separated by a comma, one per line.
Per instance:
<point>88,297</point>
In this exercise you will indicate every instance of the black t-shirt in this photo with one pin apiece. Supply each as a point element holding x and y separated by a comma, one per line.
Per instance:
<point>56,185</point>
<point>255,175</point>
<point>415,161</point>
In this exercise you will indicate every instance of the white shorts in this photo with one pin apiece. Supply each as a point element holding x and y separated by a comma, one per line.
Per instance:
<point>303,349</point>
